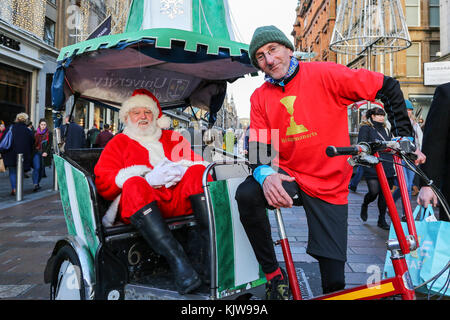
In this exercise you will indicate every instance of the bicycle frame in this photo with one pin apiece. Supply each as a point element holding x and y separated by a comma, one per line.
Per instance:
<point>401,284</point>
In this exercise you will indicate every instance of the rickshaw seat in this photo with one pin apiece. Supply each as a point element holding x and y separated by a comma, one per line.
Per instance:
<point>86,157</point>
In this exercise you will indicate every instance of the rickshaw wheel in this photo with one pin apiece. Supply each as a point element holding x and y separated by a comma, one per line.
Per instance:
<point>67,279</point>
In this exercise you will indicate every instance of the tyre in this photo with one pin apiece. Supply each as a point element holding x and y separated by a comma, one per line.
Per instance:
<point>67,279</point>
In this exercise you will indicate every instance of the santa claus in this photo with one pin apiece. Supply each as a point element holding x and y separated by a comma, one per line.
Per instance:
<point>152,174</point>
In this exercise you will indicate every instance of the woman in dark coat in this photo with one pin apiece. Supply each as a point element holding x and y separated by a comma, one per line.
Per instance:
<point>42,152</point>
<point>22,142</point>
<point>374,129</point>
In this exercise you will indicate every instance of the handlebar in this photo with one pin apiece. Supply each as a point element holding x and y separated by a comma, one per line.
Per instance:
<point>333,151</point>
<point>370,148</point>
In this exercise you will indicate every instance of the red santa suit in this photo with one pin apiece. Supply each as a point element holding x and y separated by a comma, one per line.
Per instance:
<point>120,173</point>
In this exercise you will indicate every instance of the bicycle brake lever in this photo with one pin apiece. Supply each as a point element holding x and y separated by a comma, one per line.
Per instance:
<point>365,160</point>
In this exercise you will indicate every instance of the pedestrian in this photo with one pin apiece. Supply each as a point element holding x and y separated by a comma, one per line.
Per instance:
<point>103,137</point>
<point>229,140</point>
<point>22,142</point>
<point>2,129</point>
<point>246,137</point>
<point>73,135</point>
<point>436,146</point>
<point>375,129</point>
<point>356,179</point>
<point>91,136</point>
<point>300,110</point>
<point>409,174</point>
<point>30,126</point>
<point>42,153</point>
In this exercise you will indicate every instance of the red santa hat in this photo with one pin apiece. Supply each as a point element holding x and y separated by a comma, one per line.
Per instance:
<point>144,98</point>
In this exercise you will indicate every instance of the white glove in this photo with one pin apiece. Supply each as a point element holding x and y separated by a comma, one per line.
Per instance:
<point>165,173</point>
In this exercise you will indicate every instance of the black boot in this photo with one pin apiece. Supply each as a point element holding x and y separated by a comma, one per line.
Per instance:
<point>153,228</point>
<point>199,206</point>
<point>363,213</point>
<point>382,222</point>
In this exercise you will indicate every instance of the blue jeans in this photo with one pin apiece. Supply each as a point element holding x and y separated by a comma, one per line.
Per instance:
<point>409,177</point>
<point>37,168</point>
<point>357,177</point>
<point>13,177</point>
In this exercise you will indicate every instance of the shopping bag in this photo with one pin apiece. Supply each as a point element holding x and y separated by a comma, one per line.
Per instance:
<point>432,255</point>
<point>437,238</point>
<point>2,165</point>
<point>5,143</point>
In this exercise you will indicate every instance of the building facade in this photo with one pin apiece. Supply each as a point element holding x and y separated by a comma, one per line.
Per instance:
<point>227,116</point>
<point>313,29</point>
<point>27,58</point>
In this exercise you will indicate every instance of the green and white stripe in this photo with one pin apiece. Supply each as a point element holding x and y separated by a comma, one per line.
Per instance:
<point>77,204</point>
<point>237,267</point>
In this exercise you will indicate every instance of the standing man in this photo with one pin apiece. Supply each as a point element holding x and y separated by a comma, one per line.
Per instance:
<point>103,137</point>
<point>73,135</point>
<point>299,111</point>
<point>436,145</point>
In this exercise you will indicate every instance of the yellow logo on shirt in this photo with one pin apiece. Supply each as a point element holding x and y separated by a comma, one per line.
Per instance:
<point>293,128</point>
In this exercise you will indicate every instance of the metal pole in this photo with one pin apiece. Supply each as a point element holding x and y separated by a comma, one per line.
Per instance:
<point>55,178</point>
<point>19,177</point>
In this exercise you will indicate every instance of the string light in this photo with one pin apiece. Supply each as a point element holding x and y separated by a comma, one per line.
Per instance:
<point>29,15</point>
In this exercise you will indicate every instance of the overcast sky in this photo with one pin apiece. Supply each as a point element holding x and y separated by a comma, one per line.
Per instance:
<point>247,16</point>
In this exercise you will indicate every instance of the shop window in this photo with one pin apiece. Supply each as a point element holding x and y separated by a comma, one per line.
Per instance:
<point>14,92</point>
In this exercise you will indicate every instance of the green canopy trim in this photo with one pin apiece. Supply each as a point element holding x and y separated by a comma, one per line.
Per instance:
<point>163,38</point>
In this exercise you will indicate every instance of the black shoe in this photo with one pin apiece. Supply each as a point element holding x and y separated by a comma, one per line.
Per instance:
<point>153,228</point>
<point>36,187</point>
<point>352,188</point>
<point>382,224</point>
<point>277,288</point>
<point>403,219</point>
<point>363,213</point>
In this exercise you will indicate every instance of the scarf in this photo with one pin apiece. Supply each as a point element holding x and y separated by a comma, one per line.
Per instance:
<point>280,82</point>
<point>40,138</point>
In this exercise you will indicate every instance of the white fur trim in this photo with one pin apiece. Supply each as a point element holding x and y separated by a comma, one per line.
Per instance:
<point>163,122</point>
<point>129,172</point>
<point>110,216</point>
<point>140,100</point>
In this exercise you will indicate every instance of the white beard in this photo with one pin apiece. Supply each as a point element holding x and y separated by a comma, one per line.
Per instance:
<point>148,137</point>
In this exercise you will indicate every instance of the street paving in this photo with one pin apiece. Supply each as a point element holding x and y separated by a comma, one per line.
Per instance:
<point>29,230</point>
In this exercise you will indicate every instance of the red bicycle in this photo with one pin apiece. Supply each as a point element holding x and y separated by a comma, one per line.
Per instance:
<point>367,154</point>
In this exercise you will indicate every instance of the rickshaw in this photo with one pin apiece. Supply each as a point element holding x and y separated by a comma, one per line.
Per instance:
<point>183,69</point>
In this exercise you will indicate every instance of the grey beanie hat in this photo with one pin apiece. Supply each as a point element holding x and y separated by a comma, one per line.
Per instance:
<point>265,35</point>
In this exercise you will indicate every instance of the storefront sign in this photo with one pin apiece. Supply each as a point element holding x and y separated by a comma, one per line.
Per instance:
<point>436,73</point>
<point>10,43</point>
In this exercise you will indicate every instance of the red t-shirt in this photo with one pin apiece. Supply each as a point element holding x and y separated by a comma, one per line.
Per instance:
<point>311,114</point>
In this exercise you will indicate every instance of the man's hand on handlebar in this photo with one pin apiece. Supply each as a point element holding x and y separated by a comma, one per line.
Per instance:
<point>427,196</point>
<point>274,192</point>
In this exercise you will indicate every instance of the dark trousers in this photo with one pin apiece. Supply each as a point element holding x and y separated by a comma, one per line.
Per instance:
<point>374,191</point>
<point>327,237</point>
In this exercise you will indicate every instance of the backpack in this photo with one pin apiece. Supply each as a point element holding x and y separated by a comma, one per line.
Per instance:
<point>5,144</point>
